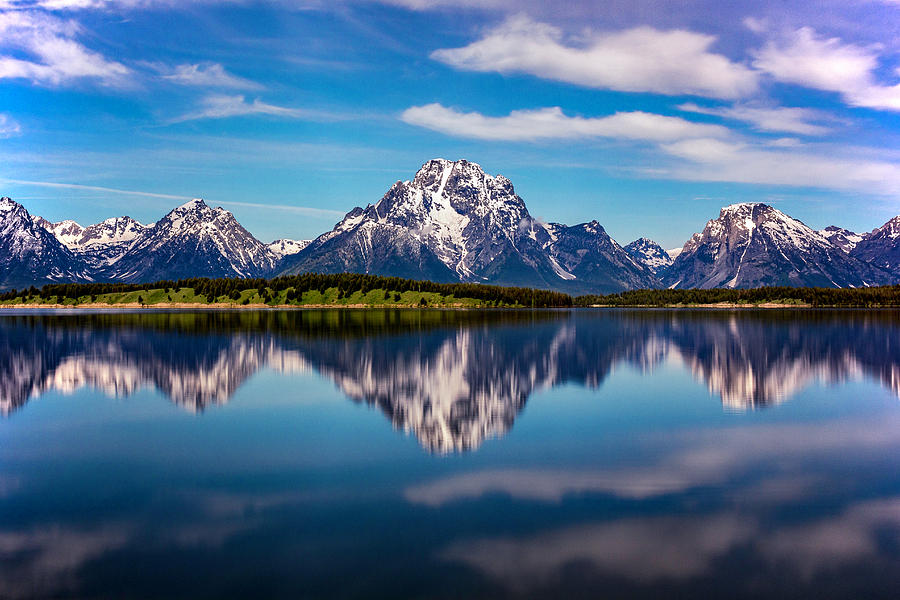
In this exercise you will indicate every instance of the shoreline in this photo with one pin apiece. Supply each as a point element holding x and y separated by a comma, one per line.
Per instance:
<point>455,306</point>
<point>218,306</point>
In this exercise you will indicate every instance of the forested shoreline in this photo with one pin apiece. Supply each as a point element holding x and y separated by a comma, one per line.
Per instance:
<point>358,290</point>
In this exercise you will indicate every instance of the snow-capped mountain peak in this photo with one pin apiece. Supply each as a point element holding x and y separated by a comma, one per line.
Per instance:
<point>650,254</point>
<point>194,238</point>
<point>890,229</point>
<point>844,239</point>
<point>29,254</point>
<point>881,247</point>
<point>454,222</point>
<point>68,232</point>
<point>754,244</point>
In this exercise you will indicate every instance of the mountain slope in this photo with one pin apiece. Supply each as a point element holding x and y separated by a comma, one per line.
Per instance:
<point>453,222</point>
<point>31,255</point>
<point>753,244</point>
<point>193,240</point>
<point>881,247</point>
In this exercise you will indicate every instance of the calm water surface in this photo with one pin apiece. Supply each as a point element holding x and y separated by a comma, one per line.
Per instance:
<point>405,454</point>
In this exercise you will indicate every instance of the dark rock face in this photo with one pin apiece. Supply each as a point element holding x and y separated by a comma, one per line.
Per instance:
<point>753,245</point>
<point>453,222</point>
<point>881,248</point>
<point>31,255</point>
<point>649,254</point>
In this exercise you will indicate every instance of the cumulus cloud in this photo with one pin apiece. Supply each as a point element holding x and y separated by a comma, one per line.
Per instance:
<point>828,64</point>
<point>54,55</point>
<point>224,106</point>
<point>801,121</point>
<point>206,75</point>
<point>552,123</point>
<point>8,127</point>
<point>642,59</point>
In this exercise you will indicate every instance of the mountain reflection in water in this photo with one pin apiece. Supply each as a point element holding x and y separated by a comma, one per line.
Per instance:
<point>453,379</point>
<point>623,476</point>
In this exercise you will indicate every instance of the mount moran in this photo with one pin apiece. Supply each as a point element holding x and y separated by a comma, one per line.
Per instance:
<point>452,222</point>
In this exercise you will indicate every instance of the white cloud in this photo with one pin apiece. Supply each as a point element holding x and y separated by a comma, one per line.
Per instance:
<point>719,160</point>
<point>642,59</point>
<point>802,121</point>
<point>207,75</point>
<point>828,64</point>
<point>551,123</point>
<point>55,57</point>
<point>224,106</point>
<point>8,127</point>
<point>703,152</point>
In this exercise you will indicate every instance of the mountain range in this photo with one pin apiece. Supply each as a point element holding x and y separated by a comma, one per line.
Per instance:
<point>451,223</point>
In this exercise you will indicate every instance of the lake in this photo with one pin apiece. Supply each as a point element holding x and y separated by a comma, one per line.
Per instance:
<point>450,454</point>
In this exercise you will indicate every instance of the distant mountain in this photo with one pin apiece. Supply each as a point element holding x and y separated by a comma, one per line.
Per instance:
<point>650,254</point>
<point>31,255</point>
<point>753,245</point>
<point>881,247</point>
<point>99,245</point>
<point>595,261</point>
<point>282,248</point>
<point>844,239</point>
<point>193,240</point>
<point>453,222</point>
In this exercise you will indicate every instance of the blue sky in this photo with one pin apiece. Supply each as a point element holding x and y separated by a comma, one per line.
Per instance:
<point>647,116</point>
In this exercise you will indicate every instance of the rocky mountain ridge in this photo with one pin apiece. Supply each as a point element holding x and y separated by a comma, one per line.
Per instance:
<point>451,222</point>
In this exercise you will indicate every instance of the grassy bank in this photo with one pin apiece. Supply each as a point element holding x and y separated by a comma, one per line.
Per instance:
<point>341,290</point>
<point>251,298</point>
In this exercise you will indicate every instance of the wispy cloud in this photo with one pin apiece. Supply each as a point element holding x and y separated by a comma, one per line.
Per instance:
<point>552,123</point>
<point>92,188</point>
<point>642,59</point>
<point>212,75</point>
<point>8,127</point>
<point>224,106</point>
<point>53,54</point>
<point>801,121</point>
<point>306,210</point>
<point>803,58</point>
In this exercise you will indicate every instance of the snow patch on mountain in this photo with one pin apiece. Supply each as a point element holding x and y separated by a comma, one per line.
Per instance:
<point>282,248</point>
